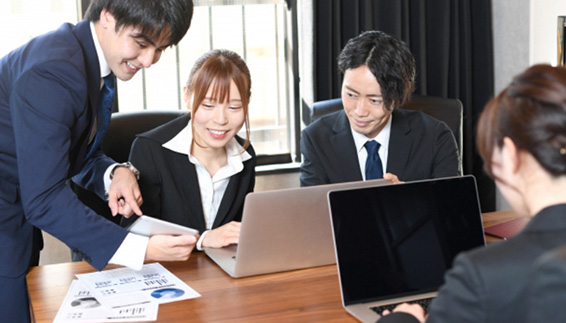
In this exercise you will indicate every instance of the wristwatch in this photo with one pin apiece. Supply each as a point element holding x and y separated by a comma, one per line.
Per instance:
<point>129,166</point>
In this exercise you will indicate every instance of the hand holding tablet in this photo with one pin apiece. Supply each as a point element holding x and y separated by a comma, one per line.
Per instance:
<point>149,226</point>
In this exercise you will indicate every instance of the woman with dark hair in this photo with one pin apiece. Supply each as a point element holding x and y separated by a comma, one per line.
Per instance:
<point>195,170</point>
<point>521,137</point>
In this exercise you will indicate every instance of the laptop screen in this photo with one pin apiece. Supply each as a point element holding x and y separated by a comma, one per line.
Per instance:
<point>398,240</point>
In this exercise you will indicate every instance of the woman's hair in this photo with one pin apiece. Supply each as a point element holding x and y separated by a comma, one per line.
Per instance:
<point>388,59</point>
<point>531,111</point>
<point>217,68</point>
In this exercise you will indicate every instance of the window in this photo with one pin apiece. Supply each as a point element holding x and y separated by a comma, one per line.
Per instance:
<point>261,31</point>
<point>21,20</point>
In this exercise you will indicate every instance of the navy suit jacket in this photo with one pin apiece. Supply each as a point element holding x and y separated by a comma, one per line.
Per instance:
<point>49,91</point>
<point>169,182</point>
<point>420,147</point>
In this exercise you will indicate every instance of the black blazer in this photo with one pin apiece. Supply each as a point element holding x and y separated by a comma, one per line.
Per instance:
<point>492,284</point>
<point>169,182</point>
<point>547,295</point>
<point>420,147</point>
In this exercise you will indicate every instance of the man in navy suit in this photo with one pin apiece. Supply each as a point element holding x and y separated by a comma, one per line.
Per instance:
<point>50,90</point>
<point>379,76</point>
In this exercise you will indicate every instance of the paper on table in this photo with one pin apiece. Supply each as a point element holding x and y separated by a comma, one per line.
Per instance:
<point>117,288</point>
<point>80,307</point>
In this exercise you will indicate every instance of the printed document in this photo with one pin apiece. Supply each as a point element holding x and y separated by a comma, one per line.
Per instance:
<point>125,287</point>
<point>80,307</point>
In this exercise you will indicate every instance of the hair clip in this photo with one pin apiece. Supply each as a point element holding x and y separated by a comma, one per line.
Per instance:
<point>563,151</point>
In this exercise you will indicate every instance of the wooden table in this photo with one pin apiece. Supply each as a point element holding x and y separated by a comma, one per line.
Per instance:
<point>492,218</point>
<point>308,295</point>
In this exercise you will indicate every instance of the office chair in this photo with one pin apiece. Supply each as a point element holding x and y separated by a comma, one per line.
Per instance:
<point>448,110</point>
<point>123,128</point>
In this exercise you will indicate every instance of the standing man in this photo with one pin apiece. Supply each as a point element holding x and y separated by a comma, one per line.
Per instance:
<point>372,137</point>
<point>51,125</point>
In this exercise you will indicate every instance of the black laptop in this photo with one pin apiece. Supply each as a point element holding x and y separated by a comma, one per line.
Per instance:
<point>394,243</point>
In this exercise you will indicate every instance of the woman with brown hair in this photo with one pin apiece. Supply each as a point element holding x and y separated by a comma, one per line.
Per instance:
<point>195,170</point>
<point>521,137</point>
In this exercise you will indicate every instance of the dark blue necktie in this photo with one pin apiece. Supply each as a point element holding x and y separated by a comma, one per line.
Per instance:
<point>374,169</point>
<point>104,111</point>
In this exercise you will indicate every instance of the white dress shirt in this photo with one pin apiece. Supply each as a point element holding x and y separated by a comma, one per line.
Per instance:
<point>212,188</point>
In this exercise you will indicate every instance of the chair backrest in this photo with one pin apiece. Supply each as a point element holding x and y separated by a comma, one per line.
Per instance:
<point>448,110</point>
<point>123,128</point>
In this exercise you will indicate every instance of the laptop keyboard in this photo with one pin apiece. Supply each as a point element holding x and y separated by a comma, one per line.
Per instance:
<point>422,302</point>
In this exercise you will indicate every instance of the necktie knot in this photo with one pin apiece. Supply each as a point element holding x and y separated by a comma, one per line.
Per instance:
<point>372,147</point>
<point>109,82</point>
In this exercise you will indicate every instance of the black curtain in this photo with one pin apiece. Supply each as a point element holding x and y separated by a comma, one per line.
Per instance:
<point>452,44</point>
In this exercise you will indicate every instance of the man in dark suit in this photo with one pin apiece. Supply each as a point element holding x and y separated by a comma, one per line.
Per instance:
<point>51,124</point>
<point>379,75</point>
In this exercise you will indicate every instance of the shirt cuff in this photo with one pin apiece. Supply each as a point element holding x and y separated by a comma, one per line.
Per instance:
<point>131,252</point>
<point>107,180</point>
<point>200,240</point>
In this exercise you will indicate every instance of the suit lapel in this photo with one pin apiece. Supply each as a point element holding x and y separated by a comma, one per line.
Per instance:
<point>194,190</point>
<point>400,144</point>
<point>83,34</point>
<point>227,200</point>
<point>345,149</point>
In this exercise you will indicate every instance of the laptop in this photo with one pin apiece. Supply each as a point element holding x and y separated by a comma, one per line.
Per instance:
<point>283,230</point>
<point>394,243</point>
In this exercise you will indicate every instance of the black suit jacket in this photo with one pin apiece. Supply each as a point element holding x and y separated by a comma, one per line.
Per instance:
<point>420,147</point>
<point>169,182</point>
<point>547,288</point>
<point>492,284</point>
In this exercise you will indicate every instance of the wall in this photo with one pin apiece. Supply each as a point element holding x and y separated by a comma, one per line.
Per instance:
<point>544,47</point>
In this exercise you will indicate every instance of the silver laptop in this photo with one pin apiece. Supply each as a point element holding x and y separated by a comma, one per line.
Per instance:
<point>394,243</point>
<point>283,230</point>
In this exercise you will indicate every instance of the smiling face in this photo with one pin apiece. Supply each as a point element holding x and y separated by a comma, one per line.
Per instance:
<point>128,50</point>
<point>363,102</point>
<point>216,123</point>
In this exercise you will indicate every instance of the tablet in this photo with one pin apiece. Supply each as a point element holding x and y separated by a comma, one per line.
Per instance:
<point>149,226</point>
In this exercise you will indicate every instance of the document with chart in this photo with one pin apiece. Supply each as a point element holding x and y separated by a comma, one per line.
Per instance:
<point>122,287</point>
<point>79,306</point>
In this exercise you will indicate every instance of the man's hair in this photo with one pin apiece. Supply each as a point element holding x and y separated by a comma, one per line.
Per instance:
<point>388,59</point>
<point>152,17</point>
